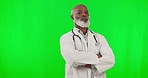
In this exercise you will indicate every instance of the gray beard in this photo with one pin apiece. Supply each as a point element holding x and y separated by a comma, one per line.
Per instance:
<point>82,23</point>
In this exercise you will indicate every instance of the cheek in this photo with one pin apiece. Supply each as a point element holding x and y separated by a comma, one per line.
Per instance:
<point>78,17</point>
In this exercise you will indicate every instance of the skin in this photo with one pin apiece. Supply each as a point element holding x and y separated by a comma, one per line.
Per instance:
<point>80,11</point>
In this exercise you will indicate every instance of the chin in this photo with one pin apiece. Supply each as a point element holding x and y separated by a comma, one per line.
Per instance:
<point>84,27</point>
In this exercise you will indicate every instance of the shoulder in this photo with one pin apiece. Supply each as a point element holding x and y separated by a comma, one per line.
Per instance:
<point>67,35</point>
<point>99,36</point>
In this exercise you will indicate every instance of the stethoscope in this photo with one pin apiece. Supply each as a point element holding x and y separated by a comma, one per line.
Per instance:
<point>74,35</point>
<point>96,44</point>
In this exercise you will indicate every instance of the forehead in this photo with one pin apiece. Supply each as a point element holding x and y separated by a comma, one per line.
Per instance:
<point>80,8</point>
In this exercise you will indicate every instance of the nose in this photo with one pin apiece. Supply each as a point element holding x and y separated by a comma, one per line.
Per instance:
<point>84,15</point>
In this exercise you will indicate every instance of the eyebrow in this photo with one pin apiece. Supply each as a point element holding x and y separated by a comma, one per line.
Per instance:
<point>79,10</point>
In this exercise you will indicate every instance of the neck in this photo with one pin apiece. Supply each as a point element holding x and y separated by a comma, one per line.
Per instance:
<point>84,30</point>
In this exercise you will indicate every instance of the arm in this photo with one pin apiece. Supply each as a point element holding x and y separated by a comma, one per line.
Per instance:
<point>107,60</point>
<point>73,56</point>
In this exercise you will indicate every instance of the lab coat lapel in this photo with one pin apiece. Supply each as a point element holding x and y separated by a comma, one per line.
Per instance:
<point>82,38</point>
<point>91,42</point>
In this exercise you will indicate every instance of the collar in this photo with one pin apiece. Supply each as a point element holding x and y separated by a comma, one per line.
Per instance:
<point>81,32</point>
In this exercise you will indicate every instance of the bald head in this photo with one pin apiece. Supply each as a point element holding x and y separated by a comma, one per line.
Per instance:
<point>79,6</point>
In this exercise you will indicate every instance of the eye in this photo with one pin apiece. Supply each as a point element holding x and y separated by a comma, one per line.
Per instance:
<point>79,13</point>
<point>86,12</point>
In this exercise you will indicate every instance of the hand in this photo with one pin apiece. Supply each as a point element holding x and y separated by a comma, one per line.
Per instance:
<point>84,66</point>
<point>87,65</point>
<point>99,55</point>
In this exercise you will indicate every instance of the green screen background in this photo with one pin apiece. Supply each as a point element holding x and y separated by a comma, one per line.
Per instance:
<point>30,31</point>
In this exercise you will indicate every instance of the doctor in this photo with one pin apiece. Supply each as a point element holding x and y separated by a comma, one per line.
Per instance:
<point>87,54</point>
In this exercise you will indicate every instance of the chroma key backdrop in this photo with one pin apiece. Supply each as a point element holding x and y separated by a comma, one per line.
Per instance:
<point>30,31</point>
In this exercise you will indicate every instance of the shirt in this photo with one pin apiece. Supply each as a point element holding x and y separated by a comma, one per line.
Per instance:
<point>85,36</point>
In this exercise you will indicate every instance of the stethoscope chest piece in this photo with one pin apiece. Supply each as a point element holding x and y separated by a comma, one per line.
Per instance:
<point>97,43</point>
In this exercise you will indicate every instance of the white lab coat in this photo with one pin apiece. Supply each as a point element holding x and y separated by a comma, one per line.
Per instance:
<point>84,54</point>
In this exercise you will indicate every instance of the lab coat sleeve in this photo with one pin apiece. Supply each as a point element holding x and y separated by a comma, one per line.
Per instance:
<point>73,56</point>
<point>107,60</point>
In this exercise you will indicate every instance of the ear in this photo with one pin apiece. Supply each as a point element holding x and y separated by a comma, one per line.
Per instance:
<point>72,17</point>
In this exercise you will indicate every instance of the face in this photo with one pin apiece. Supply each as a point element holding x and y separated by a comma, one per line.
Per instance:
<point>80,12</point>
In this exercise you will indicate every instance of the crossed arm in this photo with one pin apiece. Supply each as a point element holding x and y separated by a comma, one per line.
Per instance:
<point>103,60</point>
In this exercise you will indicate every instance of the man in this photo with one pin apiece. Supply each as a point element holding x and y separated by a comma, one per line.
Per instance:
<point>87,54</point>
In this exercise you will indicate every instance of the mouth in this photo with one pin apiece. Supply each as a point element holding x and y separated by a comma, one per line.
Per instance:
<point>84,19</point>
